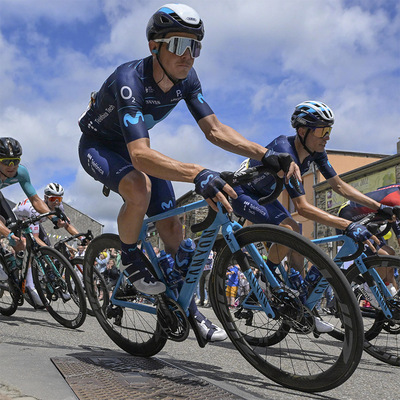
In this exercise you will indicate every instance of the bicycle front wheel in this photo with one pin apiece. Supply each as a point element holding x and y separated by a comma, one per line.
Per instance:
<point>289,348</point>
<point>382,339</point>
<point>59,287</point>
<point>132,324</point>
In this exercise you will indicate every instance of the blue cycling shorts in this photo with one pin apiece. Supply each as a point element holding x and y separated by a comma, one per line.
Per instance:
<point>109,161</point>
<point>246,205</point>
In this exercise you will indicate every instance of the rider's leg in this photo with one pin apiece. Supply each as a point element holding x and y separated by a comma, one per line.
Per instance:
<point>171,233</point>
<point>135,189</point>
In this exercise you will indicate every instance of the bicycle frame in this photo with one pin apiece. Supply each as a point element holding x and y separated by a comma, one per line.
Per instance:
<point>371,276</point>
<point>203,248</point>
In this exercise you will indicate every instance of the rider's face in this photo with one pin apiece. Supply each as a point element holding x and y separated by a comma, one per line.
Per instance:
<point>176,66</point>
<point>8,170</point>
<point>315,142</point>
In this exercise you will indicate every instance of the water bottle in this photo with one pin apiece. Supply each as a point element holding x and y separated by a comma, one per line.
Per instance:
<point>167,265</point>
<point>12,267</point>
<point>184,255</point>
<point>313,276</point>
<point>297,282</point>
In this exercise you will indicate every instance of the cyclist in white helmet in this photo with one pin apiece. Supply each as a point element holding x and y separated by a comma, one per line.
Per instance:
<point>115,145</point>
<point>53,196</point>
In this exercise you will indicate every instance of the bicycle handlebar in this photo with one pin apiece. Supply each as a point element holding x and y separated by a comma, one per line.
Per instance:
<point>88,235</point>
<point>16,226</point>
<point>374,224</point>
<point>241,177</point>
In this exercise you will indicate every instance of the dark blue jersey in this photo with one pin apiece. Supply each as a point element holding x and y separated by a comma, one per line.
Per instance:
<point>130,103</point>
<point>263,185</point>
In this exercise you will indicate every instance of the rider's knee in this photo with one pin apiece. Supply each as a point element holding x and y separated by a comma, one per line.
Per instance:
<point>135,188</point>
<point>291,224</point>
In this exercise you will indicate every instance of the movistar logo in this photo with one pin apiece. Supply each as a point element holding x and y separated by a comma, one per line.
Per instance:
<point>165,206</point>
<point>204,183</point>
<point>132,120</point>
<point>200,98</point>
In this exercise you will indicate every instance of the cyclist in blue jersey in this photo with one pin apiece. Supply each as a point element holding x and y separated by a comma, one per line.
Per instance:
<point>11,172</point>
<point>313,122</point>
<point>115,145</point>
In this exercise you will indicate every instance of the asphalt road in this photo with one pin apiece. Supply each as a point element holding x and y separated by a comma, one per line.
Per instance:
<point>30,339</point>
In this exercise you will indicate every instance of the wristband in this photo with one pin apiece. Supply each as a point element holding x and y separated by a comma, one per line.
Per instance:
<point>11,240</point>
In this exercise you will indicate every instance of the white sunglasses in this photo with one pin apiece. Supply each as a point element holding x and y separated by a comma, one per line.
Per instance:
<point>179,44</point>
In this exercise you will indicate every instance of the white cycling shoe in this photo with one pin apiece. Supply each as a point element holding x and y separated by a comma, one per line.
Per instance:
<point>209,331</point>
<point>371,297</point>
<point>322,326</point>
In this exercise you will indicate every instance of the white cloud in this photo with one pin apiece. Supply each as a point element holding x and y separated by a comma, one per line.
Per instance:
<point>259,59</point>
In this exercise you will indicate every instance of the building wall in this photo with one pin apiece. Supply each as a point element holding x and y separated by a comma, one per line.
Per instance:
<point>341,162</point>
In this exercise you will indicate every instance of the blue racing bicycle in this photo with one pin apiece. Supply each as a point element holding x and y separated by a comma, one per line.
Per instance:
<point>271,326</point>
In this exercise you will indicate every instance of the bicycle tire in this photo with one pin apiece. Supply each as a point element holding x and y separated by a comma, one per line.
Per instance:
<point>8,293</point>
<point>382,339</point>
<point>137,332</point>
<point>8,303</point>
<point>298,359</point>
<point>61,292</point>
<point>78,263</point>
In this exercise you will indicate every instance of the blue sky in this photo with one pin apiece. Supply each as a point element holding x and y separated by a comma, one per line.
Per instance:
<point>259,59</point>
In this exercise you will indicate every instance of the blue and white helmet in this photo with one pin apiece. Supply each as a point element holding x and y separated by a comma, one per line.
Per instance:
<point>313,114</point>
<point>174,18</point>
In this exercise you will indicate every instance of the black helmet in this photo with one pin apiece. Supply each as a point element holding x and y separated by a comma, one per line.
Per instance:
<point>312,114</point>
<point>10,148</point>
<point>174,18</point>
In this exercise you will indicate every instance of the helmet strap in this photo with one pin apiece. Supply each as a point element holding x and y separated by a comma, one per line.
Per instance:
<point>303,142</point>
<point>173,80</point>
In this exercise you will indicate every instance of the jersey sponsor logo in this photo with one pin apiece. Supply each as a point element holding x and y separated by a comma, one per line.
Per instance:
<point>128,119</point>
<point>166,206</point>
<point>205,182</point>
<point>155,102</point>
<point>200,98</point>
<point>94,166</point>
<point>105,114</point>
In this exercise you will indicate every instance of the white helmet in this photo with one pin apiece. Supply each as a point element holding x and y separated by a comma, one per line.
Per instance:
<point>54,189</point>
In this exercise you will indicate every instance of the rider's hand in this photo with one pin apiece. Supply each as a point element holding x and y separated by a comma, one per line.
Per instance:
<point>386,212</point>
<point>281,162</point>
<point>360,233</point>
<point>209,184</point>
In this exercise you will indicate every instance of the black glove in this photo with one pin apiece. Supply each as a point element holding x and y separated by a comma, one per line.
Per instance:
<point>357,232</point>
<point>385,211</point>
<point>55,220</point>
<point>277,161</point>
<point>208,183</point>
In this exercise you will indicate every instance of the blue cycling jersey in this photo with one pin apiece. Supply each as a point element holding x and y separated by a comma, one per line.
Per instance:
<point>263,185</point>
<point>130,102</point>
<point>22,177</point>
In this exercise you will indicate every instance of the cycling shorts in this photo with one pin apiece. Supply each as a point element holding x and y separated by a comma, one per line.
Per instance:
<point>246,205</point>
<point>109,161</point>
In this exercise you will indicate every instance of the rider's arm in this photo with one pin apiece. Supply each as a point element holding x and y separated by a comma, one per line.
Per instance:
<point>38,204</point>
<point>307,210</point>
<point>230,140</point>
<point>38,240</point>
<point>156,164</point>
<point>349,192</point>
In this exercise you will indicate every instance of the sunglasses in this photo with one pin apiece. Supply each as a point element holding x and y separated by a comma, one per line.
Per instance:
<point>322,132</point>
<point>10,162</point>
<point>178,45</point>
<point>55,198</point>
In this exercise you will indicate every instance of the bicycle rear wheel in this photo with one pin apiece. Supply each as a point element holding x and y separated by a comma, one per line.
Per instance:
<point>288,349</point>
<point>135,330</point>
<point>382,335</point>
<point>59,287</point>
